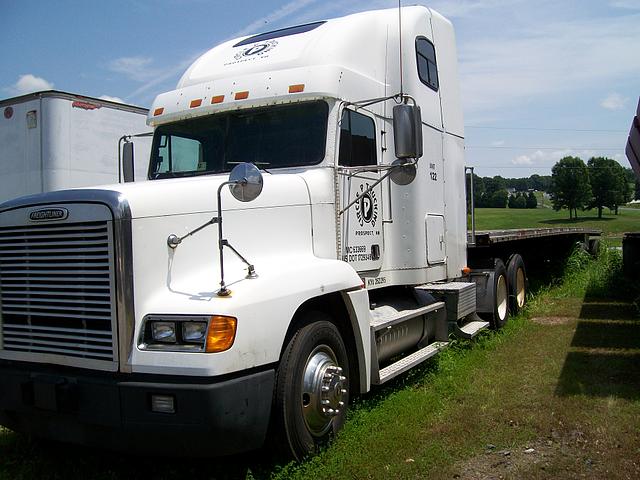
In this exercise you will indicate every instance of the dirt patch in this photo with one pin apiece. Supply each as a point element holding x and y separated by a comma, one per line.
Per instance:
<point>572,454</point>
<point>543,458</point>
<point>552,320</point>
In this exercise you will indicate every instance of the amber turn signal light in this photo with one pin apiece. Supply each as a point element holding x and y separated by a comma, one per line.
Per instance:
<point>221,333</point>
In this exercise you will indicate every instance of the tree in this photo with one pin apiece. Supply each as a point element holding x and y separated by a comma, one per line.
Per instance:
<point>478,191</point>
<point>532,201</point>
<point>499,199</point>
<point>605,183</point>
<point>520,202</point>
<point>512,201</point>
<point>542,183</point>
<point>623,192</point>
<point>570,185</point>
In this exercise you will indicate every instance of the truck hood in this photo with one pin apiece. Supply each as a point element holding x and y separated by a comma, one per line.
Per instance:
<point>186,195</point>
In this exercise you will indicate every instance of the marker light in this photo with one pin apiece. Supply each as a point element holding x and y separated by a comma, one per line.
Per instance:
<point>242,95</point>
<point>164,332</point>
<point>158,111</point>
<point>296,88</point>
<point>221,333</point>
<point>195,103</point>
<point>217,99</point>
<point>163,404</point>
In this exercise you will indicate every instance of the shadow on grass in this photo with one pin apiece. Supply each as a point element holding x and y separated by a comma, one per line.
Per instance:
<point>22,457</point>
<point>605,357</point>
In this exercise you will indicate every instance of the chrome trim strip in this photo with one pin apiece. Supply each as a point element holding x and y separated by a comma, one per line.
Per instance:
<point>123,248</point>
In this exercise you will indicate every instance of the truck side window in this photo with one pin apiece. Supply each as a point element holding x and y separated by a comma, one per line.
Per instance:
<point>357,140</point>
<point>180,153</point>
<point>427,66</point>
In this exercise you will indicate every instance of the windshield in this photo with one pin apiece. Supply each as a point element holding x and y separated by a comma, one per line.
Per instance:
<point>270,137</point>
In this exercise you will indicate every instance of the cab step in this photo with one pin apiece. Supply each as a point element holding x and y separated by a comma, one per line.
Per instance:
<point>410,361</point>
<point>387,316</point>
<point>470,329</point>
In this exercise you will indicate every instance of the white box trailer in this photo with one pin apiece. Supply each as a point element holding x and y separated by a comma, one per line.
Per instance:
<point>132,318</point>
<point>54,140</point>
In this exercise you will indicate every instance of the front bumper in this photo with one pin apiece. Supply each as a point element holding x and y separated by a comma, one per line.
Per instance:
<point>212,417</point>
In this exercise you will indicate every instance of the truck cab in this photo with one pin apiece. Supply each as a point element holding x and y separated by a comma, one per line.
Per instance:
<point>275,264</point>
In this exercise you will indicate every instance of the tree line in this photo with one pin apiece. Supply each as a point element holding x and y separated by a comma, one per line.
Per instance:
<point>491,192</point>
<point>599,183</point>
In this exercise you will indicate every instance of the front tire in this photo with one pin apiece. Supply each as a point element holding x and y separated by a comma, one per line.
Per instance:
<point>312,388</point>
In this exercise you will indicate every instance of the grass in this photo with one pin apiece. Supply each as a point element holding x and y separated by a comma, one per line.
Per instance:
<point>566,384</point>
<point>612,226</point>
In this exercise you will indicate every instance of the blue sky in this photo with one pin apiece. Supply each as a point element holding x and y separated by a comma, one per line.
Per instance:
<point>540,80</point>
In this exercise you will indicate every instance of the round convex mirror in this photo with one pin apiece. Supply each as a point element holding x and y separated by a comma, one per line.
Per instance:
<point>403,172</point>
<point>247,182</point>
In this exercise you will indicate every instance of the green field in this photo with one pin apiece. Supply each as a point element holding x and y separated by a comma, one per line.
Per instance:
<point>612,226</point>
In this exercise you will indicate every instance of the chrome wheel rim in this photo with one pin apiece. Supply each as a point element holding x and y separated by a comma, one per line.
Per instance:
<point>501,297</point>
<point>324,390</point>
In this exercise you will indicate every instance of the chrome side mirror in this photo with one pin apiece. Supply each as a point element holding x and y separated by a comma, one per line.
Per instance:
<point>127,162</point>
<point>403,172</point>
<point>245,182</point>
<point>407,131</point>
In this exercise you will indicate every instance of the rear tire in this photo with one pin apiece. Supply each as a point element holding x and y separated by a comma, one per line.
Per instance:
<point>500,296</point>
<point>518,284</point>
<point>312,388</point>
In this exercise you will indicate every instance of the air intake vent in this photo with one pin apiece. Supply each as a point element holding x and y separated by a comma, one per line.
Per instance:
<point>57,290</point>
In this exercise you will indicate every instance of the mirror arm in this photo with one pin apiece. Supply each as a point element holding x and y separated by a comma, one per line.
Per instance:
<point>251,271</point>
<point>173,240</point>
<point>371,187</point>
<point>376,183</point>
<point>224,291</point>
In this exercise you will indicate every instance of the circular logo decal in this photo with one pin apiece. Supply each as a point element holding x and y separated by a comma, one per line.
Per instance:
<point>256,50</point>
<point>8,112</point>
<point>366,206</point>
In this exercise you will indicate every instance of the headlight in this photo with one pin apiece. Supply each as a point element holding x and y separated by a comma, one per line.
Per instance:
<point>194,331</point>
<point>179,333</point>
<point>164,332</point>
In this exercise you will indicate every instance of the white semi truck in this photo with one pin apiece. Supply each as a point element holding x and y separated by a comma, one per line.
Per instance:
<point>53,140</point>
<point>302,237</point>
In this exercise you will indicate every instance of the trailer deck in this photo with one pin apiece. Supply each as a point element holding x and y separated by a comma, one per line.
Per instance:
<point>485,238</point>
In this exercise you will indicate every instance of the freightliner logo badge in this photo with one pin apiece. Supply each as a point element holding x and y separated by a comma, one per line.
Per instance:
<point>48,214</point>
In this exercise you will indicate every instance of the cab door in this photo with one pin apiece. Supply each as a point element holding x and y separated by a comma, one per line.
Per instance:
<point>362,237</point>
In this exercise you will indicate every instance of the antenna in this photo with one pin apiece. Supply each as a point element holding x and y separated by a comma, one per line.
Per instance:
<point>400,43</point>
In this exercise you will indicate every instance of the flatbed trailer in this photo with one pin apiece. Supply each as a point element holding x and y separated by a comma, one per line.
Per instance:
<point>531,243</point>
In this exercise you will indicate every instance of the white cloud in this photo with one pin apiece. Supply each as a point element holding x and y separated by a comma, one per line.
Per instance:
<point>136,68</point>
<point>546,58</point>
<point>548,158</point>
<point>614,101</point>
<point>535,157</point>
<point>497,143</point>
<point>29,83</point>
<point>111,99</point>
<point>626,4</point>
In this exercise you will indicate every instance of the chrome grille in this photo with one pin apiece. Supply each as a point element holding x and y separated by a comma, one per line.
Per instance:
<point>57,289</point>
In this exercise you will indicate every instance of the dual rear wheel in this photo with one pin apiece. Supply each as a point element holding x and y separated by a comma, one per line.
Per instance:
<point>509,290</point>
